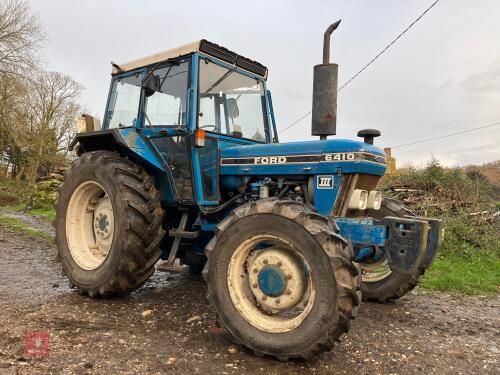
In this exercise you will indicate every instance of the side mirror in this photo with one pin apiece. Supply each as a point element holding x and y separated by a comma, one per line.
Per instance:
<point>232,108</point>
<point>151,84</point>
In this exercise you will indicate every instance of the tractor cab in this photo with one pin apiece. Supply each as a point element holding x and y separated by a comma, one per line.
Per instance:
<point>186,104</point>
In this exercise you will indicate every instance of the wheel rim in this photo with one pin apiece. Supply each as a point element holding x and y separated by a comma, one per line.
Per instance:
<point>270,284</point>
<point>89,225</point>
<point>373,272</point>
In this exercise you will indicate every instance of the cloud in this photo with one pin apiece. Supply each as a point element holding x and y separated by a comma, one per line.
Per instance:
<point>485,82</point>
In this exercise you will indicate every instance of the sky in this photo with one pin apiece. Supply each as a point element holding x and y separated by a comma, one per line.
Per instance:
<point>441,77</point>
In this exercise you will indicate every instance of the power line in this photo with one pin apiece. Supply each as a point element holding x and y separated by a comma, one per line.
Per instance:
<point>370,62</point>
<point>389,45</point>
<point>447,135</point>
<point>295,122</point>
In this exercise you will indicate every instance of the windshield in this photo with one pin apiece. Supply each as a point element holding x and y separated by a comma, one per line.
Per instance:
<point>231,103</point>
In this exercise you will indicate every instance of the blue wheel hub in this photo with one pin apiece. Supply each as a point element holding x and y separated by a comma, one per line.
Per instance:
<point>272,281</point>
<point>103,222</point>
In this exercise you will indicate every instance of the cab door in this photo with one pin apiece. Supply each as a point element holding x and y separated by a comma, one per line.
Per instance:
<point>206,158</point>
<point>206,171</point>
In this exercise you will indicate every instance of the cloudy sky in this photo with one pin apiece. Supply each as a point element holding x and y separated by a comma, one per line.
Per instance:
<point>441,77</point>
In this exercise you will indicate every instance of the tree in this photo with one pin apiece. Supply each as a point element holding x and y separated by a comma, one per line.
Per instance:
<point>50,107</point>
<point>21,36</point>
<point>37,108</point>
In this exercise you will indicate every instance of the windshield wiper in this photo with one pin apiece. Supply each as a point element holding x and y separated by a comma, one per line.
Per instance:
<point>218,82</point>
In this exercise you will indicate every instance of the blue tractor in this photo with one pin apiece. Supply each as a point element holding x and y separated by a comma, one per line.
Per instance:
<point>188,170</point>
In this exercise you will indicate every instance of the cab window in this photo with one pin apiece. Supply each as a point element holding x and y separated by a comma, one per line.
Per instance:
<point>167,106</point>
<point>231,103</point>
<point>124,102</point>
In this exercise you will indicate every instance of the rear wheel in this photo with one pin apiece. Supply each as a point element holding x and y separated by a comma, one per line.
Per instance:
<point>108,224</point>
<point>380,283</point>
<point>281,280</point>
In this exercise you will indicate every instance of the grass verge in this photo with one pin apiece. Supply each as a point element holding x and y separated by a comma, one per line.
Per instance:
<point>479,274</point>
<point>46,213</point>
<point>21,227</point>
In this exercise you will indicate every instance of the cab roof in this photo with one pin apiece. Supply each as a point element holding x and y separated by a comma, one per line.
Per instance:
<point>203,46</point>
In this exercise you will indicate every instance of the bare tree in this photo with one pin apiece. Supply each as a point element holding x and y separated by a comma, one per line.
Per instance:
<point>37,108</point>
<point>48,122</point>
<point>21,35</point>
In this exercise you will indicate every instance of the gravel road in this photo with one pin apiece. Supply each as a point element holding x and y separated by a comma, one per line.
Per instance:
<point>167,327</point>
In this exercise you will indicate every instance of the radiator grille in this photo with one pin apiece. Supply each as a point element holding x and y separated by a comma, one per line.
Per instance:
<point>367,182</point>
<point>350,182</point>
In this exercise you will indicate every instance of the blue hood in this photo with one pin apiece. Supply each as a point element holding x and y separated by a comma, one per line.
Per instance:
<point>310,157</point>
<point>299,148</point>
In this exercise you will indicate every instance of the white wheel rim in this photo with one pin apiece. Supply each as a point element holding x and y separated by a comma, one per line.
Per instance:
<point>89,225</point>
<point>371,273</point>
<point>275,314</point>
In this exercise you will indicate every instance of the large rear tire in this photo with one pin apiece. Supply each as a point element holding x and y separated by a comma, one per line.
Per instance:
<point>380,283</point>
<point>108,224</point>
<point>319,292</point>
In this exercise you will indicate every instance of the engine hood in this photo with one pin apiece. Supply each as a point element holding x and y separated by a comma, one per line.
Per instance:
<point>310,157</point>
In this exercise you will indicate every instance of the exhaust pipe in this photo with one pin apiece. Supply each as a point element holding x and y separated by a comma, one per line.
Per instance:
<point>324,108</point>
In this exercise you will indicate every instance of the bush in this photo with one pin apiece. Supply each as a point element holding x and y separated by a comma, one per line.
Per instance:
<point>464,199</point>
<point>12,193</point>
<point>45,193</point>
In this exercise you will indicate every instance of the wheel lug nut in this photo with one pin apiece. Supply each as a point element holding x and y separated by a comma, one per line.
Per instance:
<point>278,300</point>
<point>288,292</point>
<point>255,270</point>
<point>264,298</point>
<point>289,277</point>
<point>254,286</point>
<point>280,264</point>
<point>266,261</point>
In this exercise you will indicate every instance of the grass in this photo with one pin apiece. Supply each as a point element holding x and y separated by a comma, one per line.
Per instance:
<point>469,258</point>
<point>21,227</point>
<point>479,274</point>
<point>46,213</point>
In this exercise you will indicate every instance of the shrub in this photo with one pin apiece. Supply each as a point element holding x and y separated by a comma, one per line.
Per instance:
<point>464,199</point>
<point>45,193</point>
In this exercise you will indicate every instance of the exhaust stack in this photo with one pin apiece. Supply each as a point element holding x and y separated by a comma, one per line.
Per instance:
<point>324,108</point>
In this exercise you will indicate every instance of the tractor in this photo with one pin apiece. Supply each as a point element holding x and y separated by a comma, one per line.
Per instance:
<point>187,171</point>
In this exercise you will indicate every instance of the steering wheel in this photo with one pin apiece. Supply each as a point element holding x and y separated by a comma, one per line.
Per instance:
<point>209,126</point>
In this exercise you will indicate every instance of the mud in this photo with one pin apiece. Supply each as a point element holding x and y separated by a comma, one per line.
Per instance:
<point>167,327</point>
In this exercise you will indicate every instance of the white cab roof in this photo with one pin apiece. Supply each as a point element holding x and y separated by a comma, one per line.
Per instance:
<point>198,46</point>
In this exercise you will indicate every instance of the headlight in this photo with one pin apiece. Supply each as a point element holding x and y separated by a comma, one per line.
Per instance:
<point>374,200</point>
<point>359,200</point>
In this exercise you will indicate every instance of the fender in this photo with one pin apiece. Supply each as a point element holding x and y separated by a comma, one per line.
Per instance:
<point>109,139</point>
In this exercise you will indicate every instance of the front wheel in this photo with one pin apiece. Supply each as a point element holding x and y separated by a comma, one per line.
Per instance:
<point>108,224</point>
<point>281,280</point>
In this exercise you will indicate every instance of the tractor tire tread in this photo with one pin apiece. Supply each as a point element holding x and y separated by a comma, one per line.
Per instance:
<point>142,222</point>
<point>347,274</point>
